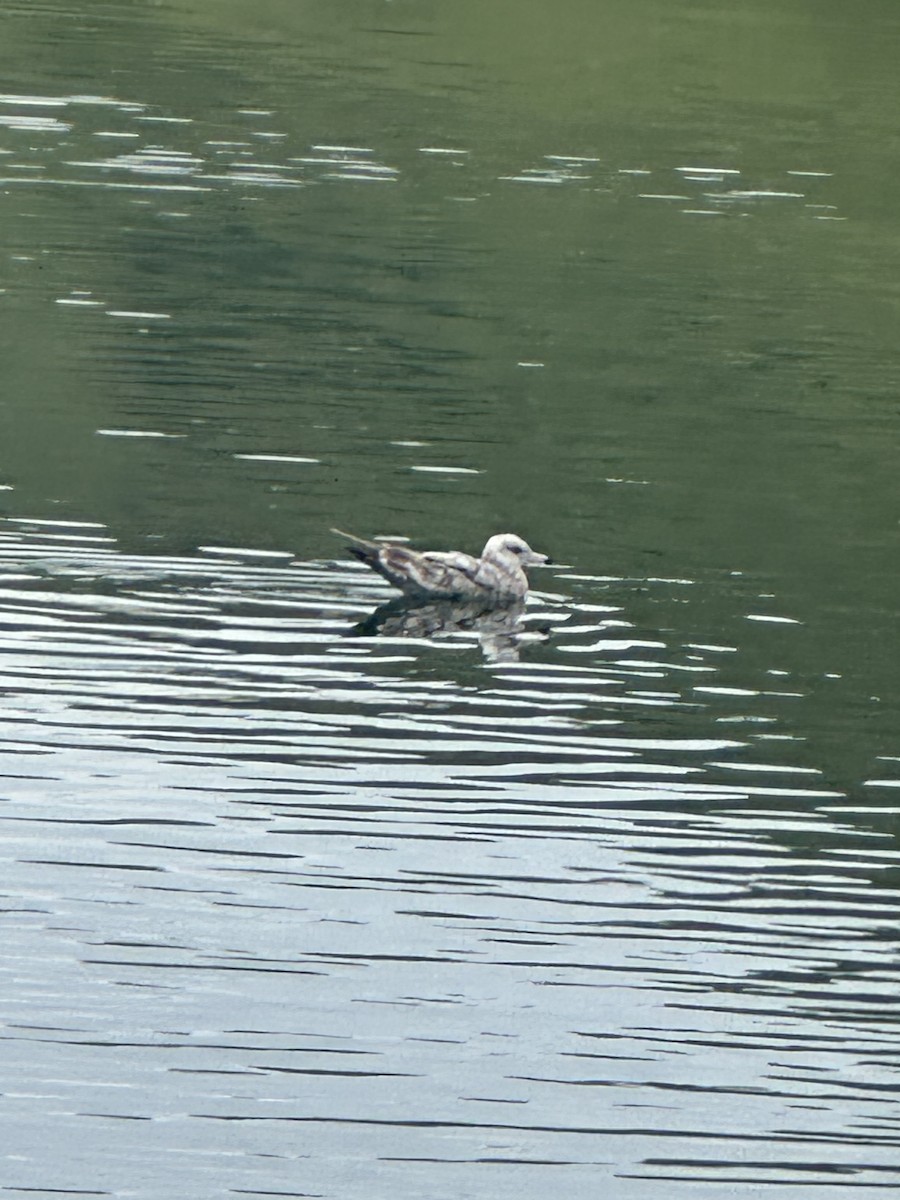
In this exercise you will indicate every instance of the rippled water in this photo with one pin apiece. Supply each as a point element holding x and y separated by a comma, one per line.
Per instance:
<point>283,905</point>
<point>305,894</point>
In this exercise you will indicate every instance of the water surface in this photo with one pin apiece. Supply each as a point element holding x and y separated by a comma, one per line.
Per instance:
<point>601,898</point>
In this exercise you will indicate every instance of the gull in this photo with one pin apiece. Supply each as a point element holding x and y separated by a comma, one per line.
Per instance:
<point>497,576</point>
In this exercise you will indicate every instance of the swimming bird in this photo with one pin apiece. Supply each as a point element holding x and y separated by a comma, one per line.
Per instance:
<point>498,575</point>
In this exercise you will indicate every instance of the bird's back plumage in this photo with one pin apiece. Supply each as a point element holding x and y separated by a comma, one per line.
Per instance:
<point>498,574</point>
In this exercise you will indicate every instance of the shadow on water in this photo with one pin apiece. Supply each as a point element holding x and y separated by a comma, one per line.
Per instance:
<point>469,889</point>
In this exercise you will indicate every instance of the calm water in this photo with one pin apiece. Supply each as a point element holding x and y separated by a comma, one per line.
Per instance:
<point>597,897</point>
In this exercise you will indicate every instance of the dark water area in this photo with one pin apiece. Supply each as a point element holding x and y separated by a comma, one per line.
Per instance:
<point>597,895</point>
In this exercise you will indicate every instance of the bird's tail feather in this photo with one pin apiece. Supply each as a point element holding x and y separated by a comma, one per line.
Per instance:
<point>358,541</point>
<point>361,548</point>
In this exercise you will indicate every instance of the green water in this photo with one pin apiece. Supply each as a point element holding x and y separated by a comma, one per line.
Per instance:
<point>621,277</point>
<point>716,388</point>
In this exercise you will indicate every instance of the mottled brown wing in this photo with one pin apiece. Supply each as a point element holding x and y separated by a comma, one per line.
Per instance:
<point>428,574</point>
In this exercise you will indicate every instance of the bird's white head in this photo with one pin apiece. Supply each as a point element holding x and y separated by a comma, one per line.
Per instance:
<point>511,549</point>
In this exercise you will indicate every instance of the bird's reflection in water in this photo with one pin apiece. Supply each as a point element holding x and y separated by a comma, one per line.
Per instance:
<point>500,628</point>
